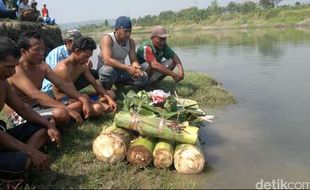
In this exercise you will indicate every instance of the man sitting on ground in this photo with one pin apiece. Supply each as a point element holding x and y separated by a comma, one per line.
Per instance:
<point>28,78</point>
<point>19,146</point>
<point>62,52</point>
<point>75,65</point>
<point>115,47</point>
<point>153,51</point>
<point>25,12</point>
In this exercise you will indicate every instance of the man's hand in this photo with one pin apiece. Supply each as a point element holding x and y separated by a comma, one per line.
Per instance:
<point>76,116</point>
<point>86,107</point>
<point>53,133</point>
<point>89,64</point>
<point>38,159</point>
<point>135,71</point>
<point>111,103</point>
<point>181,74</point>
<point>176,77</point>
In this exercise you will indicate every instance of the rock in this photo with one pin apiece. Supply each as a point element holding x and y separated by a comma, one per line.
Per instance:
<point>51,34</point>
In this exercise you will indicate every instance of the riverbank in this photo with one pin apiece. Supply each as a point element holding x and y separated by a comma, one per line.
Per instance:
<point>75,166</point>
<point>283,17</point>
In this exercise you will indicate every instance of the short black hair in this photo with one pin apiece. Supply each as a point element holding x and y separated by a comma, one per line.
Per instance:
<point>84,43</point>
<point>24,39</point>
<point>8,47</point>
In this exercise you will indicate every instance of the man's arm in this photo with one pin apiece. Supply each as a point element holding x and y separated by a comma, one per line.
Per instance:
<point>39,159</point>
<point>28,114</point>
<point>70,90</point>
<point>132,53</point>
<point>106,51</point>
<point>23,83</point>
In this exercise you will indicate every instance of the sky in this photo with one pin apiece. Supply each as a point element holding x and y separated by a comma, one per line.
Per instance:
<point>67,11</point>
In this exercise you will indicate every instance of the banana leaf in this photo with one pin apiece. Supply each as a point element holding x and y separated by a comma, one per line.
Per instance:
<point>178,109</point>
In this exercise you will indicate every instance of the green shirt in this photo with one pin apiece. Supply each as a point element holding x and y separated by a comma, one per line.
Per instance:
<point>166,52</point>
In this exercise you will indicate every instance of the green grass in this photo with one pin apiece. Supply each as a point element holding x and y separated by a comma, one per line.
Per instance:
<point>75,166</point>
<point>297,16</point>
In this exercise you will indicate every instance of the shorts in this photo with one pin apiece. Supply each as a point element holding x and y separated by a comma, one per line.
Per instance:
<point>15,162</point>
<point>16,119</point>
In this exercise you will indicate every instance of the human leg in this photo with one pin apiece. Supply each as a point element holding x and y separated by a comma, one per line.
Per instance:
<point>99,108</point>
<point>156,76</point>
<point>61,116</point>
<point>31,134</point>
<point>14,164</point>
<point>108,76</point>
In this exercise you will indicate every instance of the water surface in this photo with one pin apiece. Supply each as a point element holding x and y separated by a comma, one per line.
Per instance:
<point>266,135</point>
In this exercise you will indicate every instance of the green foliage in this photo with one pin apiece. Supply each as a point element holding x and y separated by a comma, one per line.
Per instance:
<point>262,13</point>
<point>214,8</point>
<point>233,7</point>
<point>265,4</point>
<point>94,27</point>
<point>106,22</point>
<point>248,7</point>
<point>214,12</point>
<point>171,108</point>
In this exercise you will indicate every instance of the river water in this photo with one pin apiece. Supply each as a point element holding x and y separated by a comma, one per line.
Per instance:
<point>266,135</point>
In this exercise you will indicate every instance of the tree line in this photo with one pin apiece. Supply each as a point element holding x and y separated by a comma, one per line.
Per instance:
<point>195,15</point>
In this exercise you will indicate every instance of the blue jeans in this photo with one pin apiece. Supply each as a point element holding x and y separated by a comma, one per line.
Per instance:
<point>109,76</point>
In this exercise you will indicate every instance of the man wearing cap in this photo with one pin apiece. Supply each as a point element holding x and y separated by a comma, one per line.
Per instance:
<point>60,53</point>
<point>33,5</point>
<point>153,51</point>
<point>115,47</point>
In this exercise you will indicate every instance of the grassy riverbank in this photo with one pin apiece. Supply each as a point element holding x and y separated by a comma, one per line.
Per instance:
<point>193,19</point>
<point>75,166</point>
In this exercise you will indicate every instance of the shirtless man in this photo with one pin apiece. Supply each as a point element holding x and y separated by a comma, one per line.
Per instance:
<point>20,144</point>
<point>28,78</point>
<point>75,65</point>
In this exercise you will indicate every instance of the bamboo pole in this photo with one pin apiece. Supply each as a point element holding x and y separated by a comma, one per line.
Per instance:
<point>157,127</point>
